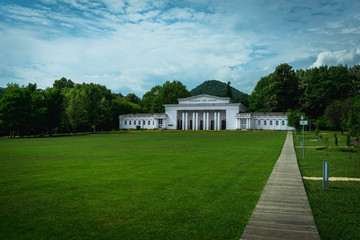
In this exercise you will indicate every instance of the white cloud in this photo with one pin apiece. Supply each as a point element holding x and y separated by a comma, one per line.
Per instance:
<point>350,57</point>
<point>134,45</point>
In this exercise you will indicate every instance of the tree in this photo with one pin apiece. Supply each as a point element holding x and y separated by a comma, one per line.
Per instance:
<point>96,103</point>
<point>337,113</point>
<point>131,97</point>
<point>75,107</point>
<point>228,90</point>
<point>63,83</point>
<point>258,95</point>
<point>54,101</point>
<point>294,118</point>
<point>154,100</point>
<point>322,85</point>
<point>121,106</point>
<point>354,75</point>
<point>277,91</point>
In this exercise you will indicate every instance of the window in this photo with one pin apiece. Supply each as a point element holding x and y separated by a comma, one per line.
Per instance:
<point>265,122</point>
<point>277,123</point>
<point>139,122</point>
<point>148,122</point>
<point>144,122</point>
<point>125,122</point>
<point>153,122</point>
<point>129,122</point>
<point>259,122</point>
<point>283,122</point>
<point>270,123</point>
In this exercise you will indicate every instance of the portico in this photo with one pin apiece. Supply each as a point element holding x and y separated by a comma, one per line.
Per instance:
<point>201,120</point>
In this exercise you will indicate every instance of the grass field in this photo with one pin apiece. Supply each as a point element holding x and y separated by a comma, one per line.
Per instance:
<point>337,209</point>
<point>181,185</point>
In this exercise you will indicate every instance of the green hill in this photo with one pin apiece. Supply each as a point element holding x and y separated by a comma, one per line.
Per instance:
<point>217,88</point>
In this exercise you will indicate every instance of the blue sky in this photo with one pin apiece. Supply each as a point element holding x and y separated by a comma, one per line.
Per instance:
<point>131,46</point>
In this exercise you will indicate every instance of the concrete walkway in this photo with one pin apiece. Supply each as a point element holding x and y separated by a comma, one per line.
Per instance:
<point>283,210</point>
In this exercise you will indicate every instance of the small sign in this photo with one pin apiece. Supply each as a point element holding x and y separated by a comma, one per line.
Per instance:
<point>304,122</point>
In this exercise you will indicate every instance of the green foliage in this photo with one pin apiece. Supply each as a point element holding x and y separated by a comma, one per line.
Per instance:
<point>276,92</point>
<point>228,90</point>
<point>354,118</point>
<point>294,118</point>
<point>63,83</point>
<point>218,88</point>
<point>153,101</point>
<point>131,97</point>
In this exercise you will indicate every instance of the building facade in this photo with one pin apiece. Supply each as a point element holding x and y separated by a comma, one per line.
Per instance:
<point>205,112</point>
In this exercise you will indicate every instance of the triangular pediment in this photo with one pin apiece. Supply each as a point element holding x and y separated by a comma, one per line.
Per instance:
<point>204,99</point>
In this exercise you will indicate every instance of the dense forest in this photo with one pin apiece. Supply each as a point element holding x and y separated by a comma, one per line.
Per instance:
<point>69,107</point>
<point>329,96</point>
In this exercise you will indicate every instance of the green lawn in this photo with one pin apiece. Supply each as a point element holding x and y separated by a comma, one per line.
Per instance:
<point>337,209</point>
<point>164,185</point>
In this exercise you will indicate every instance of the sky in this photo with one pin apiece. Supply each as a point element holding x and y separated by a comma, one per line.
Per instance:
<point>132,45</point>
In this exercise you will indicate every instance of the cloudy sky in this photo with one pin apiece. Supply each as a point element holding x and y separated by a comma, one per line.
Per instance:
<point>133,45</point>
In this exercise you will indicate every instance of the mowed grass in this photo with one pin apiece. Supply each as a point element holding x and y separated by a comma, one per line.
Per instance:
<point>164,185</point>
<point>337,209</point>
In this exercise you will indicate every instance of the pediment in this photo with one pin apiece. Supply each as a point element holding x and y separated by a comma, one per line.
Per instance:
<point>204,99</point>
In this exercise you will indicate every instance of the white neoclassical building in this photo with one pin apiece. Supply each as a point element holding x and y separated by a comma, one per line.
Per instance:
<point>205,112</point>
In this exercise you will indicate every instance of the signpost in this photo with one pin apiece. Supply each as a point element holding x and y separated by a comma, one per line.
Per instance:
<point>303,123</point>
<point>325,175</point>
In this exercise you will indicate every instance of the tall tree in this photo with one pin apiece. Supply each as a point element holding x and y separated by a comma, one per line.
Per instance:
<point>63,83</point>
<point>321,86</point>
<point>131,97</point>
<point>228,90</point>
<point>75,107</point>
<point>154,100</point>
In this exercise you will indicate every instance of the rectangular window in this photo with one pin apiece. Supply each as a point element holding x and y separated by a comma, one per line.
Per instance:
<point>148,122</point>
<point>277,123</point>
<point>265,122</point>
<point>259,122</point>
<point>153,122</point>
<point>283,122</point>
<point>129,122</point>
<point>144,122</point>
<point>139,122</point>
<point>270,123</point>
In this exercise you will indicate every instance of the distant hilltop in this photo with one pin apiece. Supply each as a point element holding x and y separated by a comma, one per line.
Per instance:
<point>218,88</point>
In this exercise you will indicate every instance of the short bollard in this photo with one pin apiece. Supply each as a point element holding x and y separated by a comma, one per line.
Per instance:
<point>325,175</point>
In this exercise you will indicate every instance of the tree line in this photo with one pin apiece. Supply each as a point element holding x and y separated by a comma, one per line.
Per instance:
<point>68,107</point>
<point>328,96</point>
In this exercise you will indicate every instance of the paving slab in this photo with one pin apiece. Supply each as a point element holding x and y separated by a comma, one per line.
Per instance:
<point>283,210</point>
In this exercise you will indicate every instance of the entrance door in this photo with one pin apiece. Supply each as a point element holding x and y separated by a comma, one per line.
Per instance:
<point>201,125</point>
<point>223,125</point>
<point>212,125</point>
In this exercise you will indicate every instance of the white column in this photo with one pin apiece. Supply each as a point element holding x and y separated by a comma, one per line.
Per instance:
<point>215,120</point>
<point>204,121</point>
<point>186,120</point>
<point>207,120</point>
<point>197,121</point>
<point>193,121</point>
<point>183,121</point>
<point>218,121</point>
